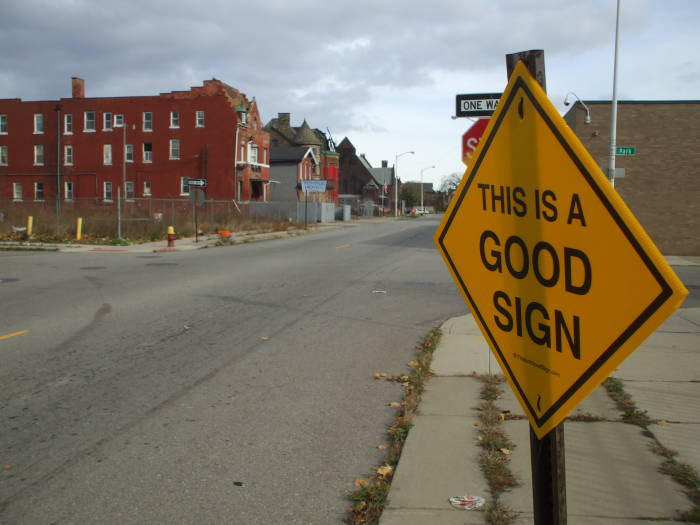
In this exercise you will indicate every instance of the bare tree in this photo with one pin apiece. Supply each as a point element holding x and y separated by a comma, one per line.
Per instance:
<point>449,183</point>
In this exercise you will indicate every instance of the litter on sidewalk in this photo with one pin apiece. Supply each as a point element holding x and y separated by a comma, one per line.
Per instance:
<point>467,502</point>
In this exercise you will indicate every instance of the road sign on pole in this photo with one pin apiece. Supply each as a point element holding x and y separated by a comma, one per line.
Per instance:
<point>560,276</point>
<point>471,139</point>
<point>626,151</point>
<point>199,183</point>
<point>313,186</point>
<point>477,105</point>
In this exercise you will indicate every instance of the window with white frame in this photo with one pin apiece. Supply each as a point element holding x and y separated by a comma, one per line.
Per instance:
<point>89,121</point>
<point>129,190</point>
<point>242,159</point>
<point>147,152</point>
<point>107,154</point>
<point>38,191</point>
<point>174,149</point>
<point>38,155</point>
<point>17,191</point>
<point>146,188</point>
<point>107,190</point>
<point>174,119</point>
<point>38,123</point>
<point>184,187</point>
<point>129,152</point>
<point>199,119</point>
<point>253,154</point>
<point>3,156</point>
<point>3,124</point>
<point>244,118</point>
<point>68,124</point>
<point>68,191</point>
<point>147,121</point>
<point>118,121</point>
<point>68,155</point>
<point>107,122</point>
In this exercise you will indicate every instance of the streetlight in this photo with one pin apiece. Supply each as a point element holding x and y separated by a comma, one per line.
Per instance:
<point>613,106</point>
<point>396,181</point>
<point>422,209</point>
<point>587,118</point>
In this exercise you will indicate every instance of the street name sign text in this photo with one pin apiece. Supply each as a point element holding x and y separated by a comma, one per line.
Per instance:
<point>626,151</point>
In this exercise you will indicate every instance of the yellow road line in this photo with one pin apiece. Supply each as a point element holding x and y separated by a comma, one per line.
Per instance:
<point>343,246</point>
<point>14,334</point>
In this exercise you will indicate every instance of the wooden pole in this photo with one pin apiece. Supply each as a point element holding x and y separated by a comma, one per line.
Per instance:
<point>546,454</point>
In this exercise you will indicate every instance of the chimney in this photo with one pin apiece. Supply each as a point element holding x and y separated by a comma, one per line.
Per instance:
<point>78,87</point>
<point>283,119</point>
<point>385,164</point>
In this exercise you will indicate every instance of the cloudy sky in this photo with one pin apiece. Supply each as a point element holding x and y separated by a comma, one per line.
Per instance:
<point>383,73</point>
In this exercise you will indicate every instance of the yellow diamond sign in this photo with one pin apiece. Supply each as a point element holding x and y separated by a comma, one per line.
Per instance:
<point>558,273</point>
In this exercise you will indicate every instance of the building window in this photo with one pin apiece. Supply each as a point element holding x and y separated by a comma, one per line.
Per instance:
<point>68,155</point>
<point>68,124</point>
<point>244,118</point>
<point>38,191</point>
<point>107,122</point>
<point>3,155</point>
<point>174,119</point>
<point>147,152</point>
<point>129,152</point>
<point>17,191</point>
<point>118,121</point>
<point>89,122</point>
<point>242,153</point>
<point>107,154</point>
<point>253,154</point>
<point>129,190</point>
<point>199,119</point>
<point>38,123</point>
<point>38,155</point>
<point>147,121</point>
<point>174,149</point>
<point>107,190</point>
<point>3,124</point>
<point>68,191</point>
<point>184,187</point>
<point>146,188</point>
<point>265,156</point>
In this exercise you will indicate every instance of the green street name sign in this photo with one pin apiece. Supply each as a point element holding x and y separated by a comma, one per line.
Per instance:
<point>626,151</point>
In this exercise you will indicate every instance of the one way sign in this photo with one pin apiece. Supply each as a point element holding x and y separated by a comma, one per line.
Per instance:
<point>197,183</point>
<point>477,105</point>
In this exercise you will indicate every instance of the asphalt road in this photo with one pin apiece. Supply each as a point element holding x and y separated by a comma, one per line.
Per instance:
<point>228,385</point>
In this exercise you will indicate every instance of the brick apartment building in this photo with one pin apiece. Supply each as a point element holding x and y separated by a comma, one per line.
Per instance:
<point>87,150</point>
<point>662,179</point>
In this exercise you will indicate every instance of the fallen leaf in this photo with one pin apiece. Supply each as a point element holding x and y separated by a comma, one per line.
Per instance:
<point>264,338</point>
<point>361,483</point>
<point>413,364</point>
<point>506,452</point>
<point>480,438</point>
<point>395,404</point>
<point>380,375</point>
<point>382,447</point>
<point>385,471</point>
<point>663,423</point>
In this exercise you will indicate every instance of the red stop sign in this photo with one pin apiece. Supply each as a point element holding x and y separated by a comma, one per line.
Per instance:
<point>470,140</point>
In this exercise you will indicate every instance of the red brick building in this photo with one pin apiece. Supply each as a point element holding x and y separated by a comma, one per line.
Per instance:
<point>140,147</point>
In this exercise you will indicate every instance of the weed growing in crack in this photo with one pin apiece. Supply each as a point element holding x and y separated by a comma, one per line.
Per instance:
<point>370,495</point>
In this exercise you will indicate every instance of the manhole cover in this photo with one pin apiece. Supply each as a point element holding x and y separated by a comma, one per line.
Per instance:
<point>8,280</point>
<point>93,267</point>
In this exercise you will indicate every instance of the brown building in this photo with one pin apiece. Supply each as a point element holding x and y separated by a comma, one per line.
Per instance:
<point>661,184</point>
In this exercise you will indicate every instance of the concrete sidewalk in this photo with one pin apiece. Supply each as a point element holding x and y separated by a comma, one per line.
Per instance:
<point>612,476</point>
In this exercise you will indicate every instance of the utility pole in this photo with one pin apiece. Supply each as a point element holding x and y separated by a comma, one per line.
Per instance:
<point>546,454</point>
<point>613,106</point>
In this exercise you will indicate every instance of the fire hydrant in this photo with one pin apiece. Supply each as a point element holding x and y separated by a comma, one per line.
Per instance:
<point>171,237</point>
